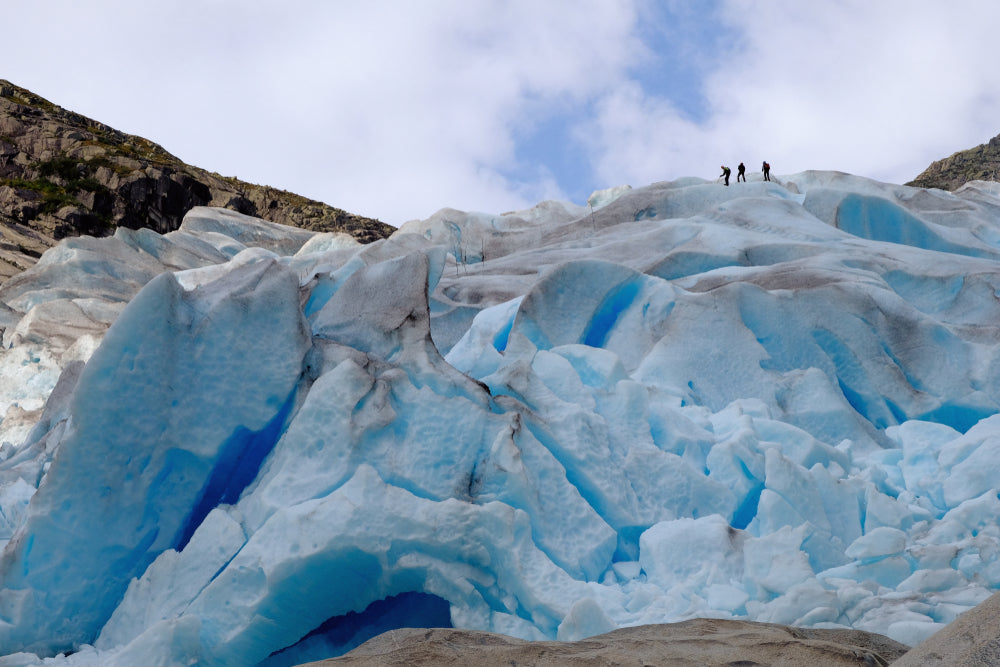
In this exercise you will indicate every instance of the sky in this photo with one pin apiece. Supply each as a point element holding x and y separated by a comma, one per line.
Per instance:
<point>395,109</point>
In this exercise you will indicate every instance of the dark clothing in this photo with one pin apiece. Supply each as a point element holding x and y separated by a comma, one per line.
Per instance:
<point>741,173</point>
<point>767,171</point>
<point>725,172</point>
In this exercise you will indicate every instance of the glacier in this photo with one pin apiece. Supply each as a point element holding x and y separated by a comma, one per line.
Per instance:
<point>240,443</point>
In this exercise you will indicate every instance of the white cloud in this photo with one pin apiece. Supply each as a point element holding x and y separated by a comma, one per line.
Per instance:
<point>388,108</point>
<point>879,89</point>
<point>425,105</point>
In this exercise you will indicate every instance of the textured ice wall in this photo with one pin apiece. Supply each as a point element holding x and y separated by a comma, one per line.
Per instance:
<point>692,401</point>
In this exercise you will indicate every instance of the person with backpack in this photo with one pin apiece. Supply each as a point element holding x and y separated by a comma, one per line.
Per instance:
<point>725,172</point>
<point>767,171</point>
<point>741,173</point>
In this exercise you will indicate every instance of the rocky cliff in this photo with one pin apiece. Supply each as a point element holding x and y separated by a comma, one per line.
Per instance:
<point>62,174</point>
<point>981,163</point>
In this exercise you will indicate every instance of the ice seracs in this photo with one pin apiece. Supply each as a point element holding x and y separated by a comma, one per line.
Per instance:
<point>773,401</point>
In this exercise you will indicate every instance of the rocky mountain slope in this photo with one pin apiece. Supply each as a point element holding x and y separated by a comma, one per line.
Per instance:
<point>62,174</point>
<point>981,163</point>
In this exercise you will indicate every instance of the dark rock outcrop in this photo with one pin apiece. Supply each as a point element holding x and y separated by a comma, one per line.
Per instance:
<point>981,163</point>
<point>62,174</point>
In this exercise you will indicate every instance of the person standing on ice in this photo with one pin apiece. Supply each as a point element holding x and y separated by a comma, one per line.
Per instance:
<point>767,171</point>
<point>725,172</point>
<point>741,172</point>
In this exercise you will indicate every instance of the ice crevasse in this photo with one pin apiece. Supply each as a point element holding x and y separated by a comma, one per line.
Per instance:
<point>774,401</point>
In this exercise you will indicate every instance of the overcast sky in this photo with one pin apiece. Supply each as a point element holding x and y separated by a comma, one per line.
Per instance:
<point>395,109</point>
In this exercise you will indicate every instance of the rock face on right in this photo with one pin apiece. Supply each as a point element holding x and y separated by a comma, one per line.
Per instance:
<point>971,640</point>
<point>699,642</point>
<point>981,163</point>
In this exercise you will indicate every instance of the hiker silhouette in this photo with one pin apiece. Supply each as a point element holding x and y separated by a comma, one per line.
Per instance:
<point>725,172</point>
<point>741,173</point>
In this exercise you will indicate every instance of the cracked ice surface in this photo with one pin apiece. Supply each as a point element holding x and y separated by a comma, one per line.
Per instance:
<point>773,401</point>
